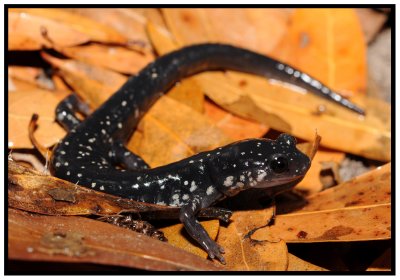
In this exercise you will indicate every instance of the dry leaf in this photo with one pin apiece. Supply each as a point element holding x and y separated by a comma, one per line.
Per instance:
<point>256,29</point>
<point>242,254</point>
<point>33,191</point>
<point>235,127</point>
<point>184,136</point>
<point>177,237</point>
<point>189,93</point>
<point>74,239</point>
<point>311,183</point>
<point>32,32</point>
<point>297,264</point>
<point>94,84</point>
<point>344,224</point>
<point>115,58</point>
<point>126,21</point>
<point>21,106</point>
<point>329,45</point>
<point>94,30</point>
<point>370,188</point>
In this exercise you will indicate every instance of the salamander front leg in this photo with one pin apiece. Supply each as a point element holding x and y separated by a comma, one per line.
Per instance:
<point>129,160</point>
<point>197,232</point>
<point>67,109</point>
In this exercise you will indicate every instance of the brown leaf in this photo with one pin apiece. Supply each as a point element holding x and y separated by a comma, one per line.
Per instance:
<point>176,236</point>
<point>257,29</point>
<point>242,254</point>
<point>235,127</point>
<point>329,45</point>
<point>344,224</point>
<point>115,58</point>
<point>370,188</point>
<point>32,75</point>
<point>297,264</point>
<point>126,21</point>
<point>311,182</point>
<point>21,106</point>
<point>33,191</point>
<point>94,30</point>
<point>184,136</point>
<point>95,84</point>
<point>75,239</point>
<point>31,32</point>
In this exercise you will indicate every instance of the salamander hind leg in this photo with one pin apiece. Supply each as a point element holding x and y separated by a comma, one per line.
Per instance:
<point>197,232</point>
<point>66,111</point>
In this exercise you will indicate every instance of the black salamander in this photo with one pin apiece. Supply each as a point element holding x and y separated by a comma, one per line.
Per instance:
<point>93,151</point>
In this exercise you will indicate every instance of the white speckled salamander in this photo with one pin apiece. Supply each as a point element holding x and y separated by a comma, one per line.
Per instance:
<point>93,151</point>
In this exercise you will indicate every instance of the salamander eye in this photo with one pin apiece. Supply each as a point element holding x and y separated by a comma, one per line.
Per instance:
<point>279,164</point>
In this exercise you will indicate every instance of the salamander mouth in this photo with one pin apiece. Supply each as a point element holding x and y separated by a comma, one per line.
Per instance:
<point>278,182</point>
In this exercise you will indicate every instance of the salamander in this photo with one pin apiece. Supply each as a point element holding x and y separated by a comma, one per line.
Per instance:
<point>93,154</point>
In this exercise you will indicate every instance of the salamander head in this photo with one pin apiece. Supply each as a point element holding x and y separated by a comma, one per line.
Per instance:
<point>259,163</point>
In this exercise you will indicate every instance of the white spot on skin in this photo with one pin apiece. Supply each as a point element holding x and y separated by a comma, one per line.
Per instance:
<point>242,153</point>
<point>58,164</point>
<point>93,185</point>
<point>161,203</point>
<point>186,183</point>
<point>246,163</point>
<point>66,143</point>
<point>103,131</point>
<point>66,163</point>
<point>119,125</point>
<point>175,196</point>
<point>234,165</point>
<point>91,140</point>
<point>147,184</point>
<point>79,175</point>
<point>259,154</point>
<point>193,187</point>
<point>210,190</point>
<point>102,188</point>
<point>191,161</point>
<point>123,103</point>
<point>228,181</point>
<point>135,186</point>
<point>261,176</point>
<point>176,178</point>
<point>108,123</point>
<point>68,173</point>
<point>185,197</point>
<point>242,178</point>
<point>239,184</point>
<point>162,187</point>
<point>62,152</point>
<point>127,154</point>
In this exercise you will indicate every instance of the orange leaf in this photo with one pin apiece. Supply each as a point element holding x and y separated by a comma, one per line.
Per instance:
<point>176,237</point>
<point>183,130</point>
<point>344,224</point>
<point>242,254</point>
<point>21,106</point>
<point>32,32</point>
<point>94,84</point>
<point>256,29</point>
<point>236,128</point>
<point>96,31</point>
<point>112,57</point>
<point>367,189</point>
<point>329,45</point>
